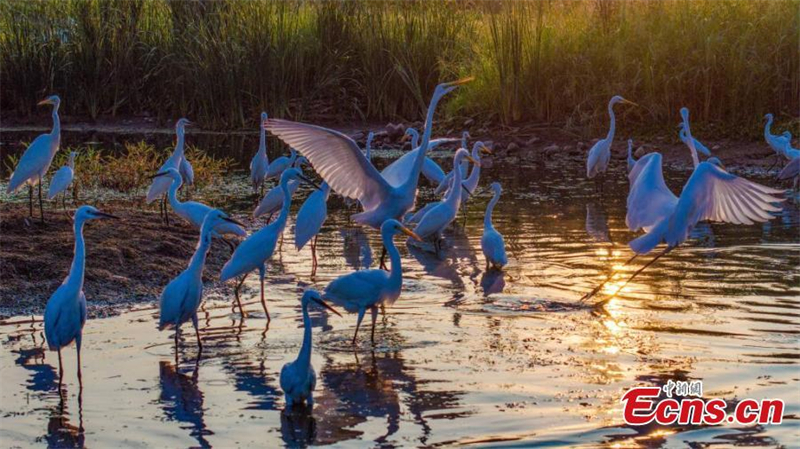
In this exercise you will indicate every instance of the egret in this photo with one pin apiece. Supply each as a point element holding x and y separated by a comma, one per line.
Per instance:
<point>791,170</point>
<point>340,162</point>
<point>399,170</point>
<point>445,184</point>
<point>260,162</point>
<point>368,146</point>
<point>310,218</point>
<point>697,144</point>
<point>182,296</point>
<point>711,193</point>
<point>65,313</point>
<point>187,172</point>
<point>36,160</point>
<point>62,180</point>
<point>298,379</point>
<point>369,289</point>
<point>433,223</point>
<point>277,167</point>
<point>600,153</point>
<point>194,212</point>
<point>631,160</point>
<point>470,182</point>
<point>775,141</point>
<point>789,152</point>
<point>492,244</point>
<point>273,200</point>
<point>160,185</point>
<point>254,251</point>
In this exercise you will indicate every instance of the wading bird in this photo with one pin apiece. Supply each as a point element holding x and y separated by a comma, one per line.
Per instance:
<point>776,142</point>
<point>369,289</point>
<point>631,160</point>
<point>399,171</point>
<point>600,153</point>
<point>260,162</point>
<point>36,160</point>
<point>279,165</point>
<point>253,252</point>
<point>298,379</point>
<point>470,182</point>
<point>194,212</point>
<point>433,223</point>
<point>273,200</point>
<point>62,179</point>
<point>182,296</point>
<point>65,313</point>
<point>791,170</point>
<point>187,172</point>
<point>160,185</point>
<point>310,218</point>
<point>492,244</point>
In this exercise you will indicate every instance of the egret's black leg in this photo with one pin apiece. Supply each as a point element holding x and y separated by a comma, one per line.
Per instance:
<point>30,199</point>
<point>41,204</point>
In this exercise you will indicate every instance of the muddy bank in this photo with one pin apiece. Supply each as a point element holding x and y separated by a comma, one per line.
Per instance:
<point>128,261</point>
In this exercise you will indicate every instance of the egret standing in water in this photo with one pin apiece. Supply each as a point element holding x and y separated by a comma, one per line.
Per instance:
<point>182,296</point>
<point>776,142</point>
<point>187,172</point>
<point>277,167</point>
<point>369,289</point>
<point>398,171</point>
<point>298,379</point>
<point>492,244</point>
<point>260,162</point>
<point>160,185</point>
<point>600,153</point>
<point>631,160</point>
<point>36,160</point>
<point>273,200</point>
<point>62,180</point>
<point>310,218</point>
<point>65,313</point>
<point>253,252</point>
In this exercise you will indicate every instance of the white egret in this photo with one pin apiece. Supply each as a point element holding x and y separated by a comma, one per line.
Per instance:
<point>273,200</point>
<point>340,162</point>
<point>492,244</point>
<point>600,153</point>
<point>791,170</point>
<point>433,223</point>
<point>369,289</point>
<point>775,141</point>
<point>62,180</point>
<point>368,146</point>
<point>789,152</point>
<point>697,144</point>
<point>260,162</point>
<point>253,252</point>
<point>470,182</point>
<point>631,160</point>
<point>65,313</point>
<point>310,218</point>
<point>36,160</point>
<point>160,185</point>
<point>187,172</point>
<point>399,171</point>
<point>182,296</point>
<point>194,212</point>
<point>298,379</point>
<point>277,167</point>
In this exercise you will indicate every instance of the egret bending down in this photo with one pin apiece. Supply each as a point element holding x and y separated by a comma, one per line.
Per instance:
<point>492,244</point>
<point>36,160</point>
<point>298,379</point>
<point>182,296</point>
<point>600,153</point>
<point>62,180</point>
<point>369,289</point>
<point>65,313</point>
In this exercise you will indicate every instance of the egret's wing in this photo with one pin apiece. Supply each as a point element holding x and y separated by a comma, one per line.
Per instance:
<point>399,171</point>
<point>310,218</point>
<point>355,289</point>
<point>649,200</point>
<point>33,162</point>
<point>337,158</point>
<point>61,180</point>
<point>594,162</point>
<point>791,170</point>
<point>716,195</point>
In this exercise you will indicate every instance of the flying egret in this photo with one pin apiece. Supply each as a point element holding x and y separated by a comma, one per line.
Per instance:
<point>310,218</point>
<point>194,212</point>
<point>433,223</point>
<point>298,379</point>
<point>600,153</point>
<point>62,179</point>
<point>254,251</point>
<point>260,162</point>
<point>398,171</point>
<point>65,313</point>
<point>160,185</point>
<point>492,244</point>
<point>277,167</point>
<point>182,296</point>
<point>631,160</point>
<point>711,193</point>
<point>368,289</point>
<point>36,160</point>
<point>273,200</point>
<point>340,162</point>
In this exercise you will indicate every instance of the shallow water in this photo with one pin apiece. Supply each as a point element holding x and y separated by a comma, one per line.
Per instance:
<point>464,356</point>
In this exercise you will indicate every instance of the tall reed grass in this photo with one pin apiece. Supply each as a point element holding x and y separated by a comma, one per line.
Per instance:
<point>549,61</point>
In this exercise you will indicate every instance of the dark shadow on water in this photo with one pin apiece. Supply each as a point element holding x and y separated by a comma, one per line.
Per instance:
<point>182,401</point>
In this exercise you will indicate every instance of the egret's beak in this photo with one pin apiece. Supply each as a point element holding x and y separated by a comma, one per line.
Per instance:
<point>410,233</point>
<point>405,138</point>
<point>236,222</point>
<point>473,160</point>
<point>485,150</point>
<point>44,102</point>
<point>310,182</point>
<point>629,102</point>
<point>324,304</point>
<point>105,215</point>
<point>460,81</point>
<point>163,173</point>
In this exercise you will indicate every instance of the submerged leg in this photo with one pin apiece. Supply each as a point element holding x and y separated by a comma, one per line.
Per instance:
<point>261,273</point>
<point>374,311</point>
<point>358,323</point>
<point>597,289</point>
<point>78,349</point>
<point>636,273</point>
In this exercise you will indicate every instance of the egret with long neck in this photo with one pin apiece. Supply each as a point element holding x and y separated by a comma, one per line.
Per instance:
<point>600,153</point>
<point>492,244</point>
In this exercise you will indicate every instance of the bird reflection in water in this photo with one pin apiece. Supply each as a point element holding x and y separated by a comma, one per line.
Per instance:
<point>357,251</point>
<point>182,400</point>
<point>597,222</point>
<point>298,426</point>
<point>60,431</point>
<point>493,281</point>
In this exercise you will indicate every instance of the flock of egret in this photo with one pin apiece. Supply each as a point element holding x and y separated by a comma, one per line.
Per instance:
<point>387,200</point>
